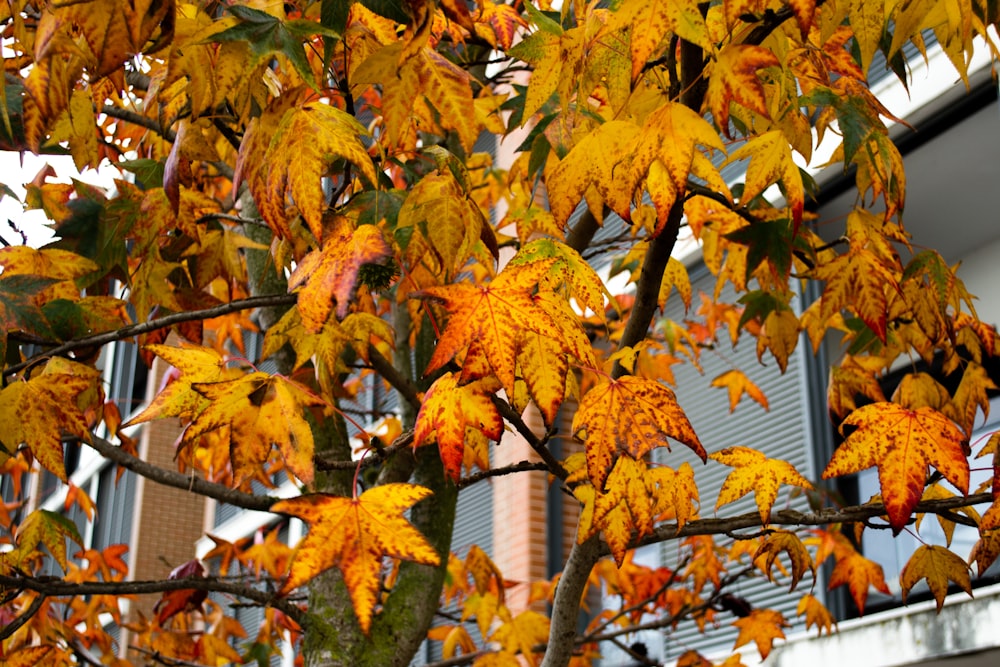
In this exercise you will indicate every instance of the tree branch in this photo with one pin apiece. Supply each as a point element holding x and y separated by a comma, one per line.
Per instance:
<point>138,119</point>
<point>794,518</point>
<point>22,618</point>
<point>54,587</point>
<point>522,466</point>
<point>222,493</point>
<point>159,323</point>
<point>537,444</point>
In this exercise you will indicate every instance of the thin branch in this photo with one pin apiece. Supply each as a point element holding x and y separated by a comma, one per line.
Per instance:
<point>522,466</point>
<point>54,587</point>
<point>156,656</point>
<point>537,444</point>
<point>138,119</point>
<point>158,323</point>
<point>222,493</point>
<point>22,618</point>
<point>392,375</point>
<point>380,454</point>
<point>794,518</point>
<point>229,218</point>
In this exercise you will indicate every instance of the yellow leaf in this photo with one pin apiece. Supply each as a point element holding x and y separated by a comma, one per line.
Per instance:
<point>752,471</point>
<point>901,443</point>
<point>630,416</point>
<point>354,535</point>
<point>254,412</point>
<point>487,321</point>
<point>771,162</point>
<point>938,566</point>
<point>817,614</point>
<point>737,383</point>
<point>733,78</point>
<point>39,411</point>
<point>789,543</point>
<point>444,222</point>
<point>522,633</point>
<point>298,149</point>
<point>578,171</point>
<point>178,398</point>
<point>780,335</point>
<point>670,137</point>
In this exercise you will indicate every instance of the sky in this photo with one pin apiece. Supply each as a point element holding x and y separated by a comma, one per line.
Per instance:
<point>15,171</point>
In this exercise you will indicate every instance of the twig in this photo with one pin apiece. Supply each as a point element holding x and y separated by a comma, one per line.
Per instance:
<point>138,119</point>
<point>222,493</point>
<point>537,444</point>
<point>522,466</point>
<point>158,323</point>
<point>23,618</point>
<point>54,587</point>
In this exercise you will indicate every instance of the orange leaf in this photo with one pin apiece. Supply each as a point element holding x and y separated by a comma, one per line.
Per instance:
<point>488,320</point>
<point>859,574</point>
<point>938,566</point>
<point>901,443</point>
<point>633,416</point>
<point>451,413</point>
<point>737,383</point>
<point>762,626</point>
<point>734,79</point>
<point>331,273</point>
<point>755,472</point>
<point>354,535</point>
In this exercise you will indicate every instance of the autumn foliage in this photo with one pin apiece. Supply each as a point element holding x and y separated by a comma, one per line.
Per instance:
<point>311,173</point>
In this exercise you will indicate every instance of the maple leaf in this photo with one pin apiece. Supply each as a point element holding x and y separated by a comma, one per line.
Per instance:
<point>762,627</point>
<point>39,411</point>
<point>901,443</point>
<point>859,574</point>
<point>789,543</point>
<point>817,614</point>
<point>737,383</point>
<point>669,137</point>
<point>267,35</point>
<point>753,471</point>
<point>857,280</point>
<point>416,76</point>
<point>448,222</point>
<point>256,411</point>
<point>41,528</point>
<point>633,416</point>
<point>290,150</point>
<point>488,322</point>
<point>18,309</point>
<point>182,600</point>
<point>177,397</point>
<point>452,414</point>
<point>331,273</point>
<point>938,566</point>
<point>353,535</point>
<point>522,633</point>
<point>770,162</point>
<point>733,78</point>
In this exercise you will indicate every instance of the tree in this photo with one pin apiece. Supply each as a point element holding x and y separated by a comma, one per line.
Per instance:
<point>310,169</point>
